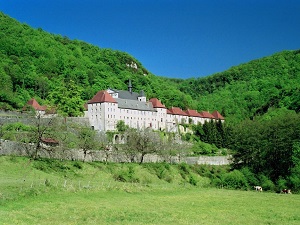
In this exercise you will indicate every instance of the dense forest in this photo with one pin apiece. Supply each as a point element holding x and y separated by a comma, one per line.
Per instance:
<point>35,63</point>
<point>259,99</point>
<point>250,89</point>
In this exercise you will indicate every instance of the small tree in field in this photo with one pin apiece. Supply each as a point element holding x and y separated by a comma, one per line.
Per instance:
<point>86,140</point>
<point>41,128</point>
<point>140,143</point>
<point>172,147</point>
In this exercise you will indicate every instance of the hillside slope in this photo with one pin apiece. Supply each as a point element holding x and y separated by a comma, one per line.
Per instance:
<point>34,63</point>
<point>252,88</point>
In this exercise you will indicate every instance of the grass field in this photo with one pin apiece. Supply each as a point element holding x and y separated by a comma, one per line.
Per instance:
<point>90,196</point>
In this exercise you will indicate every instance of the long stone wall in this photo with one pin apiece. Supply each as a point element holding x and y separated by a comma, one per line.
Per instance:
<point>20,149</point>
<point>13,117</point>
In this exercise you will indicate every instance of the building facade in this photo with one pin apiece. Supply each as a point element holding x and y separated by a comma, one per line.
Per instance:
<point>108,107</point>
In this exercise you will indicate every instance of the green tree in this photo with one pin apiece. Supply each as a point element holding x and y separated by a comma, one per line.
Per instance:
<point>121,126</point>
<point>66,97</point>
<point>266,146</point>
<point>86,140</point>
<point>220,134</point>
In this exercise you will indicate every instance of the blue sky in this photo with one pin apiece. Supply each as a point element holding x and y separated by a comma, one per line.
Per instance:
<point>178,38</point>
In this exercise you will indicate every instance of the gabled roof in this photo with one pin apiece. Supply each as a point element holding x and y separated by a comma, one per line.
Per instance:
<point>133,104</point>
<point>102,96</point>
<point>192,112</point>
<point>177,111</point>
<point>156,103</point>
<point>205,114</point>
<point>217,115</point>
<point>126,94</point>
<point>32,102</point>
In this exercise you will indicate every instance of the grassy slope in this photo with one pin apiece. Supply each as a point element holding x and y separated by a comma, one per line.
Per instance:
<point>91,196</point>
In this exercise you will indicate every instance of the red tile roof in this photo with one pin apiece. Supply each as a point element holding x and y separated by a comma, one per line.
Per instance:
<point>32,102</point>
<point>192,112</point>
<point>49,140</point>
<point>156,103</point>
<point>177,111</point>
<point>205,114</point>
<point>217,115</point>
<point>102,96</point>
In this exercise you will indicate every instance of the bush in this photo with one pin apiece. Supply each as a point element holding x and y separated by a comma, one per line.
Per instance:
<point>192,180</point>
<point>234,179</point>
<point>16,127</point>
<point>77,165</point>
<point>294,179</point>
<point>217,182</point>
<point>202,148</point>
<point>224,151</point>
<point>184,170</point>
<point>250,176</point>
<point>281,184</point>
<point>126,175</point>
<point>210,171</point>
<point>49,165</point>
<point>266,183</point>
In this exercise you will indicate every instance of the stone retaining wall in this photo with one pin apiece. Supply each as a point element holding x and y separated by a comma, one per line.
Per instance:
<point>20,149</point>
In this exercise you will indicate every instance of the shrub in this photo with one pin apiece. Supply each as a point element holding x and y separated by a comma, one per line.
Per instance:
<point>16,127</point>
<point>192,180</point>
<point>126,175</point>
<point>224,151</point>
<point>202,148</point>
<point>266,183</point>
<point>294,179</point>
<point>281,184</point>
<point>161,170</point>
<point>234,179</point>
<point>217,182</point>
<point>250,176</point>
<point>49,165</point>
<point>77,165</point>
<point>183,170</point>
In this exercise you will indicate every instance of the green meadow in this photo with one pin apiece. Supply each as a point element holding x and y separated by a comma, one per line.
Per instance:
<point>57,192</point>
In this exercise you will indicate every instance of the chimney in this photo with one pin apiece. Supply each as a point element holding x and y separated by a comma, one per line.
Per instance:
<point>130,87</point>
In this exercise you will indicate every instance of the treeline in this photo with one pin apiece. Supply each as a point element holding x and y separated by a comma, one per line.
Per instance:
<point>269,146</point>
<point>265,149</point>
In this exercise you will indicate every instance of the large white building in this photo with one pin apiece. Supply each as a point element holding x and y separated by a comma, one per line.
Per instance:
<point>108,107</point>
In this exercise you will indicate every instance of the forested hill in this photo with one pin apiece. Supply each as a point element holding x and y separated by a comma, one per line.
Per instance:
<point>35,63</point>
<point>250,89</point>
